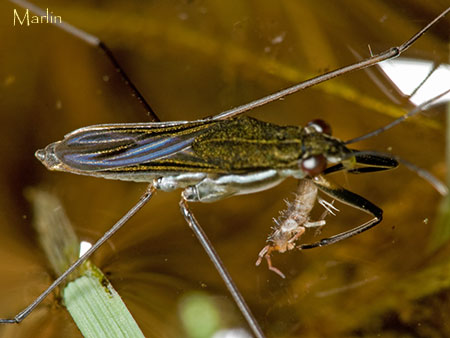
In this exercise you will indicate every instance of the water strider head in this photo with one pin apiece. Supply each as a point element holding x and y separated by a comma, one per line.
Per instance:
<point>319,149</point>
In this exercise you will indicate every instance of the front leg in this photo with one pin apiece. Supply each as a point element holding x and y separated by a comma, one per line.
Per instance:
<point>351,199</point>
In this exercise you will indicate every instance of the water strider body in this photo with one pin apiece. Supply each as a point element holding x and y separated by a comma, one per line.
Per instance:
<point>212,159</point>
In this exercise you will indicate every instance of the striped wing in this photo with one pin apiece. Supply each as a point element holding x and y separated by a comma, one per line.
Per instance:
<point>113,147</point>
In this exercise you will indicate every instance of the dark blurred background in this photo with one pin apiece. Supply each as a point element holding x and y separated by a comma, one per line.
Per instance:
<point>192,59</point>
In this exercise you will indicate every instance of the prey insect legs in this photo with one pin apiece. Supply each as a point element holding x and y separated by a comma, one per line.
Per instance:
<point>292,223</point>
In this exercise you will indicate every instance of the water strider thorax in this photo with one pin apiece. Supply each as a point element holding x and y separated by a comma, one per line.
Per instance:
<point>247,144</point>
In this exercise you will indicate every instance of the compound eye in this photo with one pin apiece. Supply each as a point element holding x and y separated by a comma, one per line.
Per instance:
<point>314,165</point>
<point>320,126</point>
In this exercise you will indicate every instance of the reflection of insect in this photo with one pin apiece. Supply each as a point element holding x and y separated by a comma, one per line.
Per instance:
<point>215,158</point>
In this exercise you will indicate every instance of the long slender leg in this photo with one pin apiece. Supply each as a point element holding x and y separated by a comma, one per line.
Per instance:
<point>142,201</point>
<point>377,161</point>
<point>96,42</point>
<point>351,199</point>
<point>220,267</point>
<point>93,40</point>
<point>388,54</point>
<point>399,120</point>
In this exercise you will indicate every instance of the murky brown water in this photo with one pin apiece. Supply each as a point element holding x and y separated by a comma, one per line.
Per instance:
<point>192,59</point>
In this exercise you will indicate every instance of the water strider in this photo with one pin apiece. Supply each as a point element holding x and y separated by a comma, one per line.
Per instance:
<point>214,158</point>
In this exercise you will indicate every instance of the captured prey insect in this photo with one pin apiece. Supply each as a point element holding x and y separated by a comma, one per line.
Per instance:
<point>215,158</point>
<point>294,221</point>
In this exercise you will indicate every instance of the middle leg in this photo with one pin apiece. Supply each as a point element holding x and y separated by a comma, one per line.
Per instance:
<point>218,264</point>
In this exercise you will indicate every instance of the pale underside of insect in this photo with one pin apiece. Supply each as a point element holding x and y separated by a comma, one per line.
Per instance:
<point>219,157</point>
